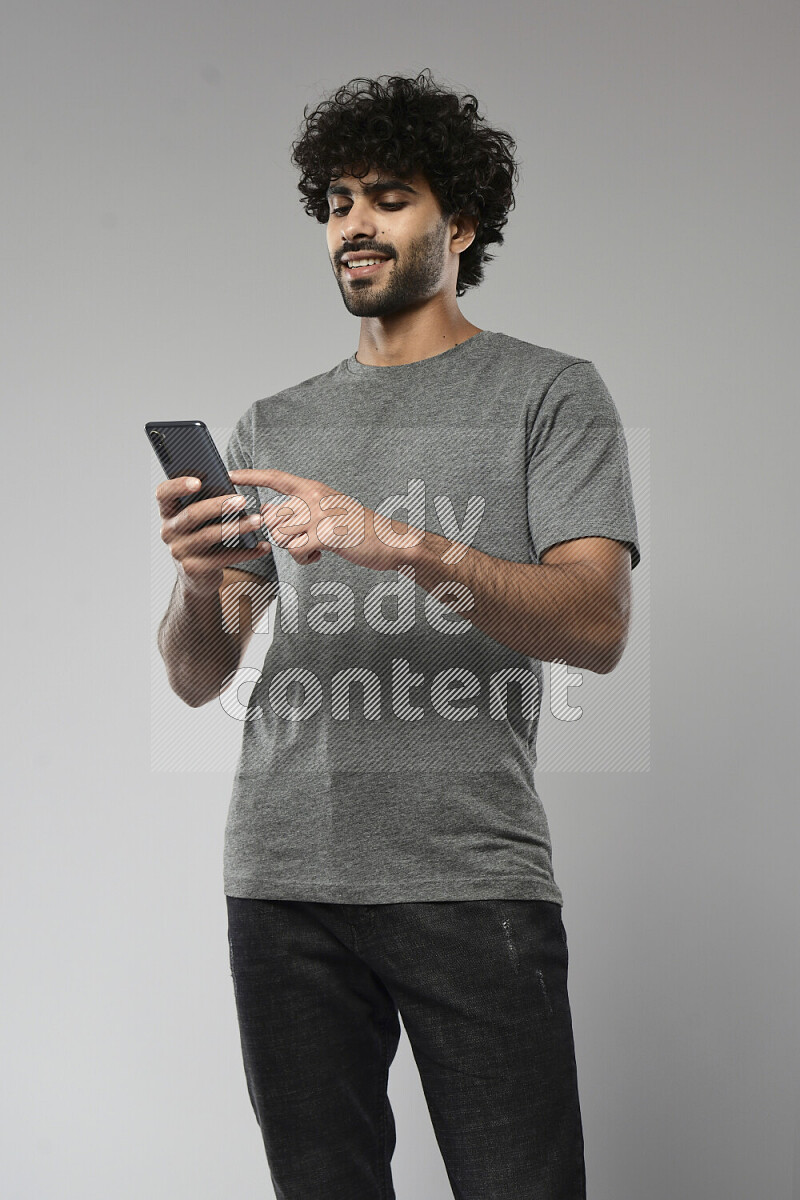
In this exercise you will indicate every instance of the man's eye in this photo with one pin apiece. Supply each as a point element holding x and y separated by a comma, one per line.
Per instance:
<point>341,209</point>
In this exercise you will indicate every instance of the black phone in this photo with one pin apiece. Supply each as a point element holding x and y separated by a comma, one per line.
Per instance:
<point>187,448</point>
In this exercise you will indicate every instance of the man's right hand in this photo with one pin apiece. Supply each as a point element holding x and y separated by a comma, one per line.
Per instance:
<point>199,552</point>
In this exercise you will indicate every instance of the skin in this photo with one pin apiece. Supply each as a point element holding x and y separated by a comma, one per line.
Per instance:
<point>574,605</point>
<point>409,310</point>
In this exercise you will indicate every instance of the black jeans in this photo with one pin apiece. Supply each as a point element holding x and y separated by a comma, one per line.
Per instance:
<point>482,989</point>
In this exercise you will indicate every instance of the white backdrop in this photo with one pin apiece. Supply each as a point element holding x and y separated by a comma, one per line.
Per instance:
<point>156,262</point>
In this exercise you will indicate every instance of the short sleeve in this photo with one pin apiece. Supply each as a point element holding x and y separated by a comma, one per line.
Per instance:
<point>238,457</point>
<point>577,473</point>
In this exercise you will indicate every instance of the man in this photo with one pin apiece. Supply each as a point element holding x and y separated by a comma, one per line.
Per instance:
<point>386,850</point>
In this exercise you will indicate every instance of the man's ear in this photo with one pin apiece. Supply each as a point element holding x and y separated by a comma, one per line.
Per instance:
<point>463,229</point>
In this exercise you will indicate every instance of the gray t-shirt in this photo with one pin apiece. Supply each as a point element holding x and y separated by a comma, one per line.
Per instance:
<point>390,745</point>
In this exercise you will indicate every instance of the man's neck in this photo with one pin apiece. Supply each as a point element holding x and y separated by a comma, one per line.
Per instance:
<point>412,335</point>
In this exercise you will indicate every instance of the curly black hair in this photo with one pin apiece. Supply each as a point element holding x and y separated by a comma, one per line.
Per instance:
<point>405,125</point>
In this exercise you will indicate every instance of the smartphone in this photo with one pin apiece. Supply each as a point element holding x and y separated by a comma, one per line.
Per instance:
<point>187,448</point>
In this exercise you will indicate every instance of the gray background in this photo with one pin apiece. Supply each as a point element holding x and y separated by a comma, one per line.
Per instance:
<point>156,262</point>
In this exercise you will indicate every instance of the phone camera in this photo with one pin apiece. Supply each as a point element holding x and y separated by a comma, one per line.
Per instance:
<point>159,445</point>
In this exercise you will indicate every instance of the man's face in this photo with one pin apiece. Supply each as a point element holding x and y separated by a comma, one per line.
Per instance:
<point>400,223</point>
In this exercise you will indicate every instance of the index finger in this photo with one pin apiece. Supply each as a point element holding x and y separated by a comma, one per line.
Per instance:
<point>270,477</point>
<point>170,492</point>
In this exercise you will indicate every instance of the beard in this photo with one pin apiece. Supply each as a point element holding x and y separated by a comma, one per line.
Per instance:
<point>413,278</point>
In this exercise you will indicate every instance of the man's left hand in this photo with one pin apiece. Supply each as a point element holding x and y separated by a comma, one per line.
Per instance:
<point>311,517</point>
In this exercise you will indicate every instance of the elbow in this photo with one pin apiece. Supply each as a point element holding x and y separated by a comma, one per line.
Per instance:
<point>188,688</point>
<point>190,696</point>
<point>604,664</point>
<point>609,649</point>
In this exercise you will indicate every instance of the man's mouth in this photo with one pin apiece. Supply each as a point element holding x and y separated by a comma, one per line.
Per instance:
<point>358,268</point>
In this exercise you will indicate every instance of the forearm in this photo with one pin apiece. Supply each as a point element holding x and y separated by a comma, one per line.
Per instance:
<point>549,612</point>
<point>197,651</point>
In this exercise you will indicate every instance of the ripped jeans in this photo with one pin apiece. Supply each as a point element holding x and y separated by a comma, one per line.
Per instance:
<point>481,986</point>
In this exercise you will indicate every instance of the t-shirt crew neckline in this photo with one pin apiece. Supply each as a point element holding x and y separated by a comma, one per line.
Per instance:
<point>446,356</point>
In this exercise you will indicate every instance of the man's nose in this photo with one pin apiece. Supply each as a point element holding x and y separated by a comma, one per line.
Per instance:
<point>357,223</point>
